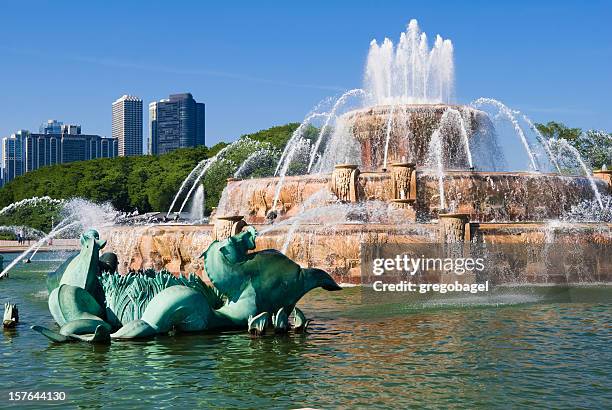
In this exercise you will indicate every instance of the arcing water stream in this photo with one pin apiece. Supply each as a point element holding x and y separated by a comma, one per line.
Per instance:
<point>51,235</point>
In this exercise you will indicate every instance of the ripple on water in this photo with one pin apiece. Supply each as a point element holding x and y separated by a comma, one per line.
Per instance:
<point>474,352</point>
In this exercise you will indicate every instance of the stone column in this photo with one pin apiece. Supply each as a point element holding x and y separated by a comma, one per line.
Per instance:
<point>403,181</point>
<point>604,175</point>
<point>454,228</point>
<point>343,182</point>
<point>226,226</point>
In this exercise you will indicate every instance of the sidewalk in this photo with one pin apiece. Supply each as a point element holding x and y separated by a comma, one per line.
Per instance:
<point>58,245</point>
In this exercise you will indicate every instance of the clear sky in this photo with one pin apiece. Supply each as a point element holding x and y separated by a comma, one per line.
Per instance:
<point>256,64</point>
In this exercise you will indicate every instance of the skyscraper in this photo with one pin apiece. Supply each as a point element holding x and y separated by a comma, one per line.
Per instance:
<point>127,125</point>
<point>51,127</point>
<point>176,122</point>
<point>12,155</point>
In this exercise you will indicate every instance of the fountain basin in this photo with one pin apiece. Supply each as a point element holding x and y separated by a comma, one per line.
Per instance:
<point>338,249</point>
<point>485,196</point>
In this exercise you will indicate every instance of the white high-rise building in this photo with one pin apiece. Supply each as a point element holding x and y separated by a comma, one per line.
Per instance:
<point>127,125</point>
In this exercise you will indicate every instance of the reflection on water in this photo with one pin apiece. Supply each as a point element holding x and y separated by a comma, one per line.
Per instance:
<point>521,347</point>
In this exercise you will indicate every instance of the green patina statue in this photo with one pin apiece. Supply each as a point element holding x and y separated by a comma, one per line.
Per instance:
<point>90,301</point>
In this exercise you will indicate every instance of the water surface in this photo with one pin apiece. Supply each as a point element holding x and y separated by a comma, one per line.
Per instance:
<point>522,347</point>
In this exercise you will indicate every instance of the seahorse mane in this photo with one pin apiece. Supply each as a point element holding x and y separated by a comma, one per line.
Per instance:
<point>127,296</point>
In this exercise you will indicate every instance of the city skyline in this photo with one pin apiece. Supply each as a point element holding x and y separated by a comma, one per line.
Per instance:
<point>56,143</point>
<point>545,59</point>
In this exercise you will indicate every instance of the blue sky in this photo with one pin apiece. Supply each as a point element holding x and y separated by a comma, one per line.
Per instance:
<point>258,64</point>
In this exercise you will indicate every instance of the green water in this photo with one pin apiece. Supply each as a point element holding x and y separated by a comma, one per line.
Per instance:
<point>521,347</point>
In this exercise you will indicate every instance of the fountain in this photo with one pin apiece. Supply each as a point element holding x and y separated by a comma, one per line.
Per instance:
<point>397,161</point>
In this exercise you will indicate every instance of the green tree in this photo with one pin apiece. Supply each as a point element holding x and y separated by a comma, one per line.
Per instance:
<point>595,147</point>
<point>147,183</point>
<point>557,130</point>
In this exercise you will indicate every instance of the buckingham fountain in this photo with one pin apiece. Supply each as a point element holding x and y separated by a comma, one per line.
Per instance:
<point>394,162</point>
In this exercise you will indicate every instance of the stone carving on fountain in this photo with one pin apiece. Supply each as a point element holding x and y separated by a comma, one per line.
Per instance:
<point>344,183</point>
<point>454,228</point>
<point>606,176</point>
<point>228,225</point>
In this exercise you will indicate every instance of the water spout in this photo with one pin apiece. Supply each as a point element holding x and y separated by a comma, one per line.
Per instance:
<point>411,72</point>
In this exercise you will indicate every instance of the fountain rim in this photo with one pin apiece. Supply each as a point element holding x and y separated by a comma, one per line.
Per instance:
<point>403,165</point>
<point>427,171</point>
<point>383,108</point>
<point>340,166</point>
<point>232,218</point>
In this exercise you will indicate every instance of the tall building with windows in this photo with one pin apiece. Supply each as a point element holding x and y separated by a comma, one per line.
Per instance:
<point>51,127</point>
<point>176,122</point>
<point>12,155</point>
<point>24,152</point>
<point>127,125</point>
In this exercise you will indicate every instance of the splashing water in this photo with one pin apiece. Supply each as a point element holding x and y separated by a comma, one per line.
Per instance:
<point>202,168</point>
<point>31,201</point>
<point>196,212</point>
<point>196,181</point>
<point>332,114</point>
<point>388,136</point>
<point>295,142</point>
<point>590,211</point>
<point>464,135</point>
<point>51,235</point>
<point>411,72</point>
<point>436,158</point>
<point>564,145</point>
<point>253,161</point>
<point>195,171</point>
<point>504,110</point>
<point>545,142</point>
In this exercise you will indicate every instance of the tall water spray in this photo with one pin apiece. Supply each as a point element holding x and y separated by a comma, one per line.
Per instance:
<point>411,72</point>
